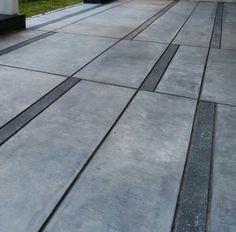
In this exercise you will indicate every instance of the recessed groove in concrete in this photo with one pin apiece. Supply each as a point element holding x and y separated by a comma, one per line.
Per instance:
<point>24,43</point>
<point>217,30</point>
<point>17,123</point>
<point>141,28</point>
<point>64,17</point>
<point>192,207</point>
<point>159,68</point>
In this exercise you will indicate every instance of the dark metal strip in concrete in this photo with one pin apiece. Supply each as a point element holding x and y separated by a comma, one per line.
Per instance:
<point>26,42</point>
<point>141,28</point>
<point>64,17</point>
<point>192,207</point>
<point>17,123</point>
<point>159,68</point>
<point>217,30</point>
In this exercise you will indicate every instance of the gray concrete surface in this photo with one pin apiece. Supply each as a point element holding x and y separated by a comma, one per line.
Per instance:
<point>107,156</point>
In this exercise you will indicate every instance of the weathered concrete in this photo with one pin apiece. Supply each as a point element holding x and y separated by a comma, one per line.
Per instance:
<point>184,74</point>
<point>127,63</point>
<point>223,204</point>
<point>132,183</point>
<point>198,29</point>
<point>220,83</point>
<point>20,88</point>
<point>59,53</point>
<point>35,169</point>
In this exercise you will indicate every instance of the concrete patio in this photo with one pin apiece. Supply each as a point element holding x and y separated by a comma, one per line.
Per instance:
<point>120,118</point>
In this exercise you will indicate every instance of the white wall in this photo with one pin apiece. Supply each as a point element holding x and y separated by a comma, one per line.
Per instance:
<point>9,7</point>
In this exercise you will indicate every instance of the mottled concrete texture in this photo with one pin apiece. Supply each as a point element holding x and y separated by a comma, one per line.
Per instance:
<point>184,74</point>
<point>20,88</point>
<point>132,183</point>
<point>127,63</point>
<point>223,204</point>
<point>107,116</point>
<point>60,53</point>
<point>220,81</point>
<point>36,169</point>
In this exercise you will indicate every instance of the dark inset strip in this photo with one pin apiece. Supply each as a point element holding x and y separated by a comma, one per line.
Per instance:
<point>143,26</point>
<point>17,123</point>
<point>192,207</point>
<point>217,30</point>
<point>64,17</point>
<point>159,68</point>
<point>26,42</point>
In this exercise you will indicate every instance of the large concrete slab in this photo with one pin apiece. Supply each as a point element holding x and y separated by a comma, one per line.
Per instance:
<point>38,163</point>
<point>79,17</point>
<point>106,26</point>
<point>184,74</point>
<point>19,89</point>
<point>223,203</point>
<point>137,10</point>
<point>58,14</point>
<point>165,28</point>
<point>59,53</point>
<point>127,63</point>
<point>229,27</point>
<point>133,181</point>
<point>220,83</point>
<point>17,37</point>
<point>116,22</point>
<point>198,29</point>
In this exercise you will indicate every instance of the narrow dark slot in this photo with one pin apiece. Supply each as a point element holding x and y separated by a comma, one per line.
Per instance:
<point>141,28</point>
<point>159,68</point>
<point>17,123</point>
<point>192,208</point>
<point>217,30</point>
<point>26,42</point>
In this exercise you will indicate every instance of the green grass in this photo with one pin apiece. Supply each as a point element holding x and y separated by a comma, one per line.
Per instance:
<point>34,7</point>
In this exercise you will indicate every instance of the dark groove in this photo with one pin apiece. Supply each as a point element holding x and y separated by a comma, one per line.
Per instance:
<point>217,31</point>
<point>143,26</point>
<point>193,202</point>
<point>26,42</point>
<point>22,119</point>
<point>159,68</point>
<point>64,17</point>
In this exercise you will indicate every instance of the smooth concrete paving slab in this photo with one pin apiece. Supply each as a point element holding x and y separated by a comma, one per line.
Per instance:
<point>79,17</point>
<point>223,203</point>
<point>60,53</point>
<point>17,37</point>
<point>137,10</point>
<point>184,75</point>
<point>220,82</point>
<point>45,18</point>
<point>127,63</point>
<point>116,22</point>
<point>38,163</point>
<point>229,27</point>
<point>106,26</point>
<point>198,29</point>
<point>20,88</point>
<point>133,181</point>
<point>165,28</point>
